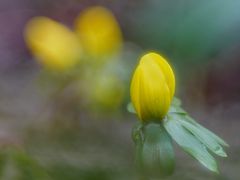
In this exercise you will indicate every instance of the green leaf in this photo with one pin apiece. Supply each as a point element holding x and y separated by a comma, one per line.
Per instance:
<point>189,143</point>
<point>207,140</point>
<point>157,151</point>
<point>130,108</point>
<point>205,130</point>
<point>176,101</point>
<point>208,132</point>
<point>176,109</point>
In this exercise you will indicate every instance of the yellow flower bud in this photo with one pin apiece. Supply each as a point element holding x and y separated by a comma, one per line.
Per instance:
<point>152,87</point>
<point>54,45</point>
<point>98,31</point>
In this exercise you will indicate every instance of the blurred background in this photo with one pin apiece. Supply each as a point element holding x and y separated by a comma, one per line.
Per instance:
<point>68,120</point>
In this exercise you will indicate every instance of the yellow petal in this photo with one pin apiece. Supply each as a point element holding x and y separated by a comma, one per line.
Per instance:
<point>98,31</point>
<point>53,44</point>
<point>166,69</point>
<point>134,91</point>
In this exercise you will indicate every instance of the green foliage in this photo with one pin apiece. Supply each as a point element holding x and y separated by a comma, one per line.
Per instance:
<point>28,168</point>
<point>17,164</point>
<point>190,144</point>
<point>210,142</point>
<point>3,160</point>
<point>206,131</point>
<point>69,172</point>
<point>194,138</point>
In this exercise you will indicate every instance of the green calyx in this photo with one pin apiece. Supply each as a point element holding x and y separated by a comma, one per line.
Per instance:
<point>154,151</point>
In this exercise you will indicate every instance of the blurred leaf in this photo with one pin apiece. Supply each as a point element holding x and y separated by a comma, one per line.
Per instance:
<point>28,168</point>
<point>208,141</point>
<point>157,151</point>
<point>3,161</point>
<point>192,34</point>
<point>189,143</point>
<point>65,171</point>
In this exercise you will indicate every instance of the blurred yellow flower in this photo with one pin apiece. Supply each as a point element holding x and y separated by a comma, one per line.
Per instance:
<point>54,45</point>
<point>103,88</point>
<point>98,31</point>
<point>108,92</point>
<point>152,87</point>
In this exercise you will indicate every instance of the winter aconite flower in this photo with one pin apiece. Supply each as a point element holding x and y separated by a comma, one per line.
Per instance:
<point>152,87</point>
<point>98,31</point>
<point>54,45</point>
<point>152,90</point>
